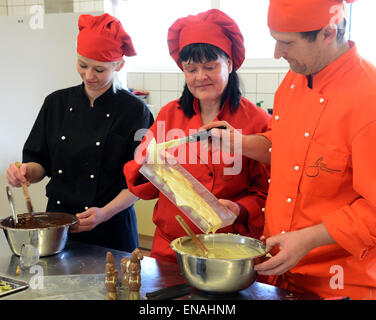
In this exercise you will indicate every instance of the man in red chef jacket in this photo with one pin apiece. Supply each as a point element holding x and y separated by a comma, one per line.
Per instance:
<point>320,214</point>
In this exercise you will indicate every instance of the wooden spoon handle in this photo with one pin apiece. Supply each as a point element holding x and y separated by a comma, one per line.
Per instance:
<point>26,192</point>
<point>189,231</point>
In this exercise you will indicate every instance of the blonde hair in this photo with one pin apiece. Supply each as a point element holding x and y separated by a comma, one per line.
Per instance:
<point>116,83</point>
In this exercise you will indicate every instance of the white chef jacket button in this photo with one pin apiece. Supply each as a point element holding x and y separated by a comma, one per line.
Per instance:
<point>322,100</point>
<point>270,149</point>
<point>107,115</point>
<point>263,209</point>
<point>97,143</point>
<point>296,168</point>
<point>289,200</point>
<point>58,202</point>
<point>86,208</point>
<point>292,86</point>
<point>269,180</point>
<point>276,117</point>
<point>63,138</point>
<point>306,134</point>
<point>91,176</point>
<point>70,109</point>
<point>60,171</point>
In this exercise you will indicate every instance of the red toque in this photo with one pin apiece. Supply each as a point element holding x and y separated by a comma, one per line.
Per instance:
<point>103,38</point>
<point>304,15</point>
<point>213,27</point>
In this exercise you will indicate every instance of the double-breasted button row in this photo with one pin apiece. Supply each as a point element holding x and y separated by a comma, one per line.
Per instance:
<point>296,167</point>
<point>63,138</point>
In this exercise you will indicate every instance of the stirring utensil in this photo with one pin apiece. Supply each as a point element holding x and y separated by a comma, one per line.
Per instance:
<point>10,199</point>
<point>26,193</point>
<point>194,237</point>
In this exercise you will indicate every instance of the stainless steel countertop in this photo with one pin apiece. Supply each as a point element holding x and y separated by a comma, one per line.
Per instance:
<point>78,273</point>
<point>79,267</point>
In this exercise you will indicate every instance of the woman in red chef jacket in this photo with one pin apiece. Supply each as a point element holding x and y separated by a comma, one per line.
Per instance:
<point>209,49</point>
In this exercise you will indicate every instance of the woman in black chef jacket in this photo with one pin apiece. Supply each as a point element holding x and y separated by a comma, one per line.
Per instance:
<point>82,137</point>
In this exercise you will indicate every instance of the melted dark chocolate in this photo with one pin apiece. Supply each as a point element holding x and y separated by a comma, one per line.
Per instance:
<point>39,220</point>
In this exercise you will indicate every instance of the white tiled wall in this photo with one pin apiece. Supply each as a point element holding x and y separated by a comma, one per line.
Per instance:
<point>88,5</point>
<point>166,86</point>
<point>3,8</point>
<point>22,7</point>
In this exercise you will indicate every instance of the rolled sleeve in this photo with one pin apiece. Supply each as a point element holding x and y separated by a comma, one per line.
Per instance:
<point>350,230</point>
<point>353,227</point>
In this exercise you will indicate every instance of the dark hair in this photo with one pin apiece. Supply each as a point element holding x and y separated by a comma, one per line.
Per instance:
<point>200,53</point>
<point>312,35</point>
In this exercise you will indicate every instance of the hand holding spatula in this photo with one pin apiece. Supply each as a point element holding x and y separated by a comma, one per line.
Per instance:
<point>26,193</point>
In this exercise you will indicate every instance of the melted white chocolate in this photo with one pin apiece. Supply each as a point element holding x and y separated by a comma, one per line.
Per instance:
<point>183,190</point>
<point>218,250</point>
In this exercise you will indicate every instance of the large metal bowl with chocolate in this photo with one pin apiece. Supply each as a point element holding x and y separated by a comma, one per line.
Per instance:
<point>47,231</point>
<point>223,272</point>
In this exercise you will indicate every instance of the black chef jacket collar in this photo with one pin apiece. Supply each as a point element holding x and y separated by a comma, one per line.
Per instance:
<point>101,99</point>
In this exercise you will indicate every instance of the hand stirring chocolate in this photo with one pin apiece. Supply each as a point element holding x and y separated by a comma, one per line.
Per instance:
<point>27,195</point>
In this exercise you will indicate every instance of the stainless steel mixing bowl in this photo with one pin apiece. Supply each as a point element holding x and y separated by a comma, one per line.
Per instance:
<point>48,240</point>
<point>219,275</point>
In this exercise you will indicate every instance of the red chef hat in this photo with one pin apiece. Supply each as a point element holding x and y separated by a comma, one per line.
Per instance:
<point>103,38</point>
<point>213,27</point>
<point>304,15</point>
